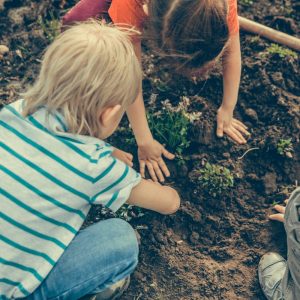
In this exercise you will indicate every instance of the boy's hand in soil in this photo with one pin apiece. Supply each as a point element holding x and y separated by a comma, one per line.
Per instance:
<point>227,124</point>
<point>152,195</point>
<point>281,211</point>
<point>150,156</point>
<point>123,156</point>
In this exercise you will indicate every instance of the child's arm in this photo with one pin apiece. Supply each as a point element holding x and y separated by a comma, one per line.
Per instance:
<point>231,81</point>
<point>151,195</point>
<point>150,151</point>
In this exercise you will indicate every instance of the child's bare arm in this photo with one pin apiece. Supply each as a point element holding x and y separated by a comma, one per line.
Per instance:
<point>231,81</point>
<point>150,195</point>
<point>150,152</point>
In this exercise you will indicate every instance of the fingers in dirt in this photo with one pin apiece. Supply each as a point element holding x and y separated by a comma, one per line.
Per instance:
<point>277,217</point>
<point>151,171</point>
<point>157,170</point>
<point>164,167</point>
<point>142,168</point>
<point>220,131</point>
<point>280,208</point>
<point>241,129</point>
<point>240,123</point>
<point>236,136</point>
<point>167,154</point>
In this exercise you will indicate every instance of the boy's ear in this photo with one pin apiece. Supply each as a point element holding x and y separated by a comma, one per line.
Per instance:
<point>108,114</point>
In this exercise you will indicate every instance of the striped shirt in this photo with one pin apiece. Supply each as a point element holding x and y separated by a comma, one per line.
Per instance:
<point>49,179</point>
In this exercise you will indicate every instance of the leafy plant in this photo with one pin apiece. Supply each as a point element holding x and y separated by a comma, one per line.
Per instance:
<point>285,147</point>
<point>215,179</point>
<point>170,128</point>
<point>129,212</point>
<point>282,52</point>
<point>51,28</point>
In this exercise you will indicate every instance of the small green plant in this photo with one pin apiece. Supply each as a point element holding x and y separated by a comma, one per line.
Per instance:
<point>246,2</point>
<point>282,52</point>
<point>275,203</point>
<point>129,212</point>
<point>170,128</point>
<point>51,28</point>
<point>285,147</point>
<point>215,179</point>
<point>255,39</point>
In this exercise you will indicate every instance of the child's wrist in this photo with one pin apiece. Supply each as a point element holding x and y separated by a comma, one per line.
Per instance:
<point>145,142</point>
<point>229,107</point>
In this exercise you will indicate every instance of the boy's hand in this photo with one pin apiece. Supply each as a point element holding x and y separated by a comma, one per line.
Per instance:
<point>281,211</point>
<point>231,126</point>
<point>123,156</point>
<point>150,156</point>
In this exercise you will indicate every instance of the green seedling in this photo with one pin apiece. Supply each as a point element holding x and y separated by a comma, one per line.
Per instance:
<point>51,28</point>
<point>129,212</point>
<point>275,203</point>
<point>282,52</point>
<point>255,39</point>
<point>246,2</point>
<point>215,179</point>
<point>170,128</point>
<point>285,147</point>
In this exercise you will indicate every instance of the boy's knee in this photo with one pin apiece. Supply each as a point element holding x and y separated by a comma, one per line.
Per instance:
<point>126,236</point>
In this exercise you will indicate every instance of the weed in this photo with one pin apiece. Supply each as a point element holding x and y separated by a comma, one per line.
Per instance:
<point>171,125</point>
<point>215,179</point>
<point>282,52</point>
<point>255,39</point>
<point>246,2</point>
<point>51,28</point>
<point>285,147</point>
<point>129,212</point>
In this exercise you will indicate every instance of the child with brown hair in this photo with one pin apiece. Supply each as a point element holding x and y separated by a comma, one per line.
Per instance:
<point>195,33</point>
<point>55,164</point>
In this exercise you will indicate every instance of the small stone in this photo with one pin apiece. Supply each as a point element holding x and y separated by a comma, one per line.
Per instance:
<point>252,176</point>
<point>3,49</point>
<point>270,184</point>
<point>226,155</point>
<point>251,114</point>
<point>19,53</point>
<point>17,15</point>
<point>194,237</point>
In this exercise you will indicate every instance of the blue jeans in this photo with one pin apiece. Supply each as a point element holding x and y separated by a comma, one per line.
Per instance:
<point>98,256</point>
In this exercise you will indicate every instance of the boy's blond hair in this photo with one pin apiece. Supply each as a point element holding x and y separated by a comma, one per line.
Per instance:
<point>88,67</point>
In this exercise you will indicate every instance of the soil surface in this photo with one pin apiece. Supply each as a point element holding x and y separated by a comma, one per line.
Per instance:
<point>211,247</point>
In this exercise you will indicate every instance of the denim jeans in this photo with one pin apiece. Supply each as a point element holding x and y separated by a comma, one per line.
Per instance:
<point>98,256</point>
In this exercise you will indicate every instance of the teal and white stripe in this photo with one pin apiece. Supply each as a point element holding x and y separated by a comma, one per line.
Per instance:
<point>49,180</point>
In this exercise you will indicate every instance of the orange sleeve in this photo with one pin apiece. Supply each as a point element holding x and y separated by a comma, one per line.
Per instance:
<point>129,12</point>
<point>233,21</point>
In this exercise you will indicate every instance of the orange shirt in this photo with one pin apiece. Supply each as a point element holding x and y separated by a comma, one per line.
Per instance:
<point>131,12</point>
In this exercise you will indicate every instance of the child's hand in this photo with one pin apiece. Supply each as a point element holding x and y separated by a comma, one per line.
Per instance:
<point>150,155</point>
<point>231,126</point>
<point>123,156</point>
<point>281,211</point>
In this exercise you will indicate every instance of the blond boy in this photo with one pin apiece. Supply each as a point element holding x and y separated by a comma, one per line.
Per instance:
<point>55,164</point>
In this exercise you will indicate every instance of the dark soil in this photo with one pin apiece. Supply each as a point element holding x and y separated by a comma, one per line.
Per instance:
<point>210,249</point>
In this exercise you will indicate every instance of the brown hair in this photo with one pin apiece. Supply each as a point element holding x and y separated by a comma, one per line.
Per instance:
<point>193,31</point>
